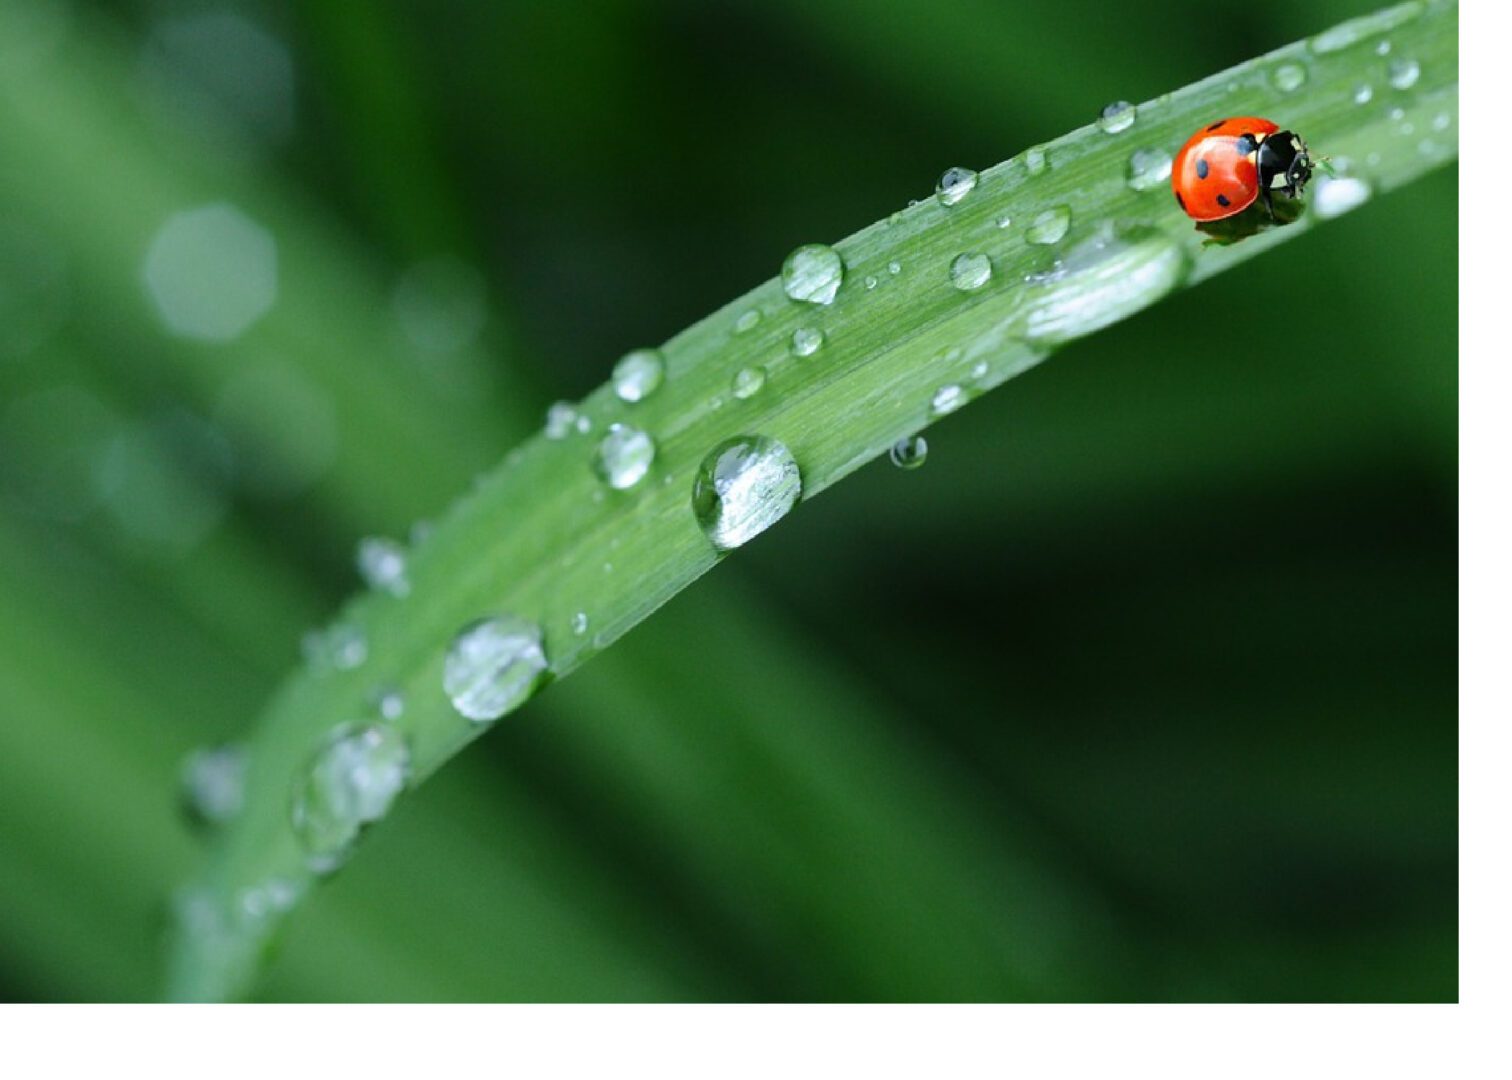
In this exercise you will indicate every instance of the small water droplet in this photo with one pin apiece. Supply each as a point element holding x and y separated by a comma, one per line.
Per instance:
<point>584,424</point>
<point>954,185</point>
<point>743,487</point>
<point>1100,281</point>
<point>1383,48</point>
<point>1363,93</point>
<point>1148,169</point>
<point>1397,115</point>
<point>389,702</point>
<point>970,271</point>
<point>258,904</point>
<point>213,782</point>
<point>1335,195</point>
<point>1049,225</point>
<point>559,419</point>
<point>343,647</point>
<point>909,452</point>
<point>1004,220</point>
<point>895,268</point>
<point>1441,122</point>
<point>351,782</point>
<point>638,374</point>
<point>807,341</point>
<point>493,666</point>
<point>870,282</point>
<point>1357,30</point>
<point>580,623</point>
<point>1289,77</point>
<point>1117,116</point>
<point>1403,74</point>
<point>384,565</point>
<point>812,274</point>
<point>624,456</point>
<point>947,399</point>
<point>747,321</point>
<point>1036,160</point>
<point>747,382</point>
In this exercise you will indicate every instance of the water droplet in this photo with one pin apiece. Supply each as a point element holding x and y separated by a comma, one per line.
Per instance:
<point>813,273</point>
<point>909,452</point>
<point>1363,93</point>
<point>624,456</point>
<point>351,783</point>
<point>638,374</point>
<point>213,782</point>
<point>1441,122</point>
<point>895,268</point>
<point>493,666</point>
<point>946,400</point>
<point>1289,77</point>
<point>970,271</point>
<point>1383,48</point>
<point>1117,116</point>
<point>1397,115</point>
<point>383,564</point>
<point>256,905</point>
<point>1403,74</point>
<point>560,419</point>
<point>580,623</point>
<point>747,382</point>
<point>584,424</point>
<point>954,185</point>
<point>870,282</point>
<point>1148,169</point>
<point>1354,31</point>
<point>807,341</point>
<point>743,487</point>
<point>389,703</point>
<point>979,369</point>
<point>1049,225</point>
<point>1003,221</point>
<point>342,646</point>
<point>747,321</point>
<point>1335,195</point>
<point>1101,281</point>
<point>1036,160</point>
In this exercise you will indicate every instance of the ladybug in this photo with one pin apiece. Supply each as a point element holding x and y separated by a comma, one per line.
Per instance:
<point>1228,164</point>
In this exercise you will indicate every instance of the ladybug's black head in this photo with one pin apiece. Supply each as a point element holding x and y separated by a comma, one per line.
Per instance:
<point>1283,163</point>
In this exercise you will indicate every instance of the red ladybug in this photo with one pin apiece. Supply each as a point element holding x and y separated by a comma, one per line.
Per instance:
<point>1224,167</point>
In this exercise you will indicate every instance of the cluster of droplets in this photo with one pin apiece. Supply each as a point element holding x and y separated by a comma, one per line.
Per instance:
<point>351,782</point>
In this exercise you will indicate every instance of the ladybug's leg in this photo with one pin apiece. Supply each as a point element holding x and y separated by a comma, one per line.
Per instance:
<point>1265,197</point>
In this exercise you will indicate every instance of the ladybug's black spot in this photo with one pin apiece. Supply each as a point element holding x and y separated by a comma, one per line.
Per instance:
<point>1215,125</point>
<point>1202,168</point>
<point>1246,145</point>
<point>1223,200</point>
<point>1180,201</point>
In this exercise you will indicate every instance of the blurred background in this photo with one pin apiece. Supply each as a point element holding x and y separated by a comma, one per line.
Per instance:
<point>1144,688</point>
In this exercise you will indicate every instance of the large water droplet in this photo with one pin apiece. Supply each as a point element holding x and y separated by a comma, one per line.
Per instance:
<point>743,487</point>
<point>909,452</point>
<point>1148,169</point>
<point>748,382</point>
<point>1049,225</point>
<point>954,185</point>
<point>1036,160</point>
<point>1403,74</point>
<point>813,273</point>
<point>1335,195</point>
<point>213,782</point>
<point>351,783</point>
<point>493,666</point>
<point>1289,77</point>
<point>638,374</point>
<point>1101,281</point>
<point>1117,116</point>
<point>946,400</point>
<point>560,419</point>
<point>747,321</point>
<point>383,564</point>
<point>624,456</point>
<point>970,271</point>
<point>807,341</point>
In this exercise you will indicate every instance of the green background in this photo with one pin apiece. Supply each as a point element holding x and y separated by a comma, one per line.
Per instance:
<point>1143,688</point>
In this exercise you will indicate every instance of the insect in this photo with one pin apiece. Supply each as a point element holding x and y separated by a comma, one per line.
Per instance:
<point>1228,164</point>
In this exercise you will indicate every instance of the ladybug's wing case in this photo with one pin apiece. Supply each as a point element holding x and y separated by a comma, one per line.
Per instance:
<point>1213,175</point>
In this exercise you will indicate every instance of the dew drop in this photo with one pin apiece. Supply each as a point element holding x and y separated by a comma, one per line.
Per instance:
<point>743,487</point>
<point>1003,221</point>
<point>970,271</point>
<point>213,783</point>
<point>560,419</point>
<point>1363,93</point>
<point>947,399</point>
<point>870,282</point>
<point>383,564</point>
<point>1049,225</point>
<point>638,374</point>
<point>954,185</point>
<point>909,452</point>
<point>580,623</point>
<point>584,424</point>
<point>1335,195</point>
<point>389,703</point>
<point>1289,77</point>
<point>812,274</point>
<point>747,382</point>
<point>1403,74</point>
<point>624,456</point>
<point>1148,169</point>
<point>807,341</point>
<point>979,369</point>
<point>1441,122</point>
<point>1117,116</point>
<point>1036,160</point>
<point>493,666</point>
<point>342,646</point>
<point>895,268</point>
<point>747,321</point>
<point>1383,48</point>
<point>351,783</point>
<point>1101,281</point>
